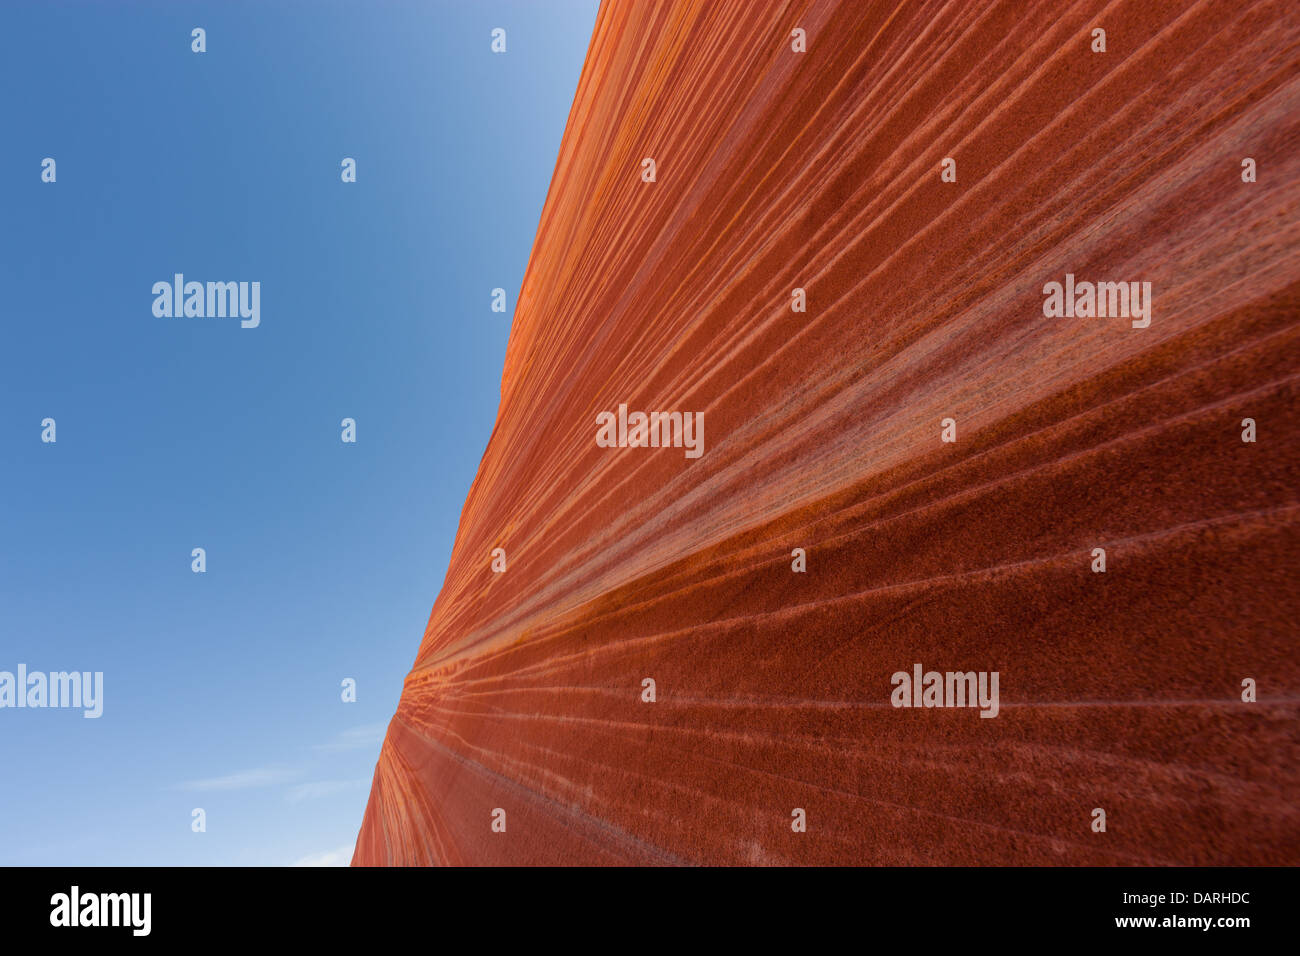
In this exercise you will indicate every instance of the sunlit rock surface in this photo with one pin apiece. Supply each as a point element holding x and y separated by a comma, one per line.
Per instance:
<point>778,170</point>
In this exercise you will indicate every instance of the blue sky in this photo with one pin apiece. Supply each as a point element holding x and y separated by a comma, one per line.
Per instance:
<point>222,689</point>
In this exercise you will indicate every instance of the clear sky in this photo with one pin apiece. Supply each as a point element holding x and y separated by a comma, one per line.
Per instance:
<point>222,689</point>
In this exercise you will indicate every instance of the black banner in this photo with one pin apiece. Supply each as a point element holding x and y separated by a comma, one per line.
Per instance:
<point>979,907</point>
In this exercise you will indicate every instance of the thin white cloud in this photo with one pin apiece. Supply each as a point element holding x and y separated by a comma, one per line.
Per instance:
<point>243,779</point>
<point>356,738</point>
<point>321,788</point>
<point>342,856</point>
<point>365,736</point>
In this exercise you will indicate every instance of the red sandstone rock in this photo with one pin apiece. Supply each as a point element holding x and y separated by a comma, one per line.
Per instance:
<point>821,170</point>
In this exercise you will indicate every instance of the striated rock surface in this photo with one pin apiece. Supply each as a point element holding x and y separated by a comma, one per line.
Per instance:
<point>777,170</point>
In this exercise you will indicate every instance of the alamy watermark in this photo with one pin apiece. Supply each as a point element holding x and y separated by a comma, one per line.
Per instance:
<point>1086,300</point>
<point>950,689</point>
<point>215,300</point>
<point>651,430</point>
<point>84,689</point>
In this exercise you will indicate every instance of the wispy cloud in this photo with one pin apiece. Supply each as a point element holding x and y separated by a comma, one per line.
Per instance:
<point>342,856</point>
<point>321,788</point>
<point>355,738</point>
<point>243,779</point>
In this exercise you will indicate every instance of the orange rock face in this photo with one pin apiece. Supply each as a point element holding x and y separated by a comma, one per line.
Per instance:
<point>774,688</point>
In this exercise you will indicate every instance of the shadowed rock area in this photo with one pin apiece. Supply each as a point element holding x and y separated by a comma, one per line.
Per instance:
<point>778,170</point>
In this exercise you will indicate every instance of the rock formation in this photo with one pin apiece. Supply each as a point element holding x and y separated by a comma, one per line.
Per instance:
<point>923,290</point>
